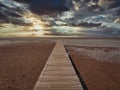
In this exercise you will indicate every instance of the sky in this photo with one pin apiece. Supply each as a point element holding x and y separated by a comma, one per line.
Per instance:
<point>46,4</point>
<point>60,18</point>
<point>50,5</point>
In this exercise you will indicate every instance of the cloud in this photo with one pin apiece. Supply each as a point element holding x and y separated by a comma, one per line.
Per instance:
<point>38,6</point>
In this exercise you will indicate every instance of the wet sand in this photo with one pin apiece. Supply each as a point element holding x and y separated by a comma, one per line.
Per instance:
<point>22,63</point>
<point>99,67</point>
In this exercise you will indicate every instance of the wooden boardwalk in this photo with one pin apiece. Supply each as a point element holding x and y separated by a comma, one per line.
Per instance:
<point>58,73</point>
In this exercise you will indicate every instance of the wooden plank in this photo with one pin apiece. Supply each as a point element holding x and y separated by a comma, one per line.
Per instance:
<point>58,73</point>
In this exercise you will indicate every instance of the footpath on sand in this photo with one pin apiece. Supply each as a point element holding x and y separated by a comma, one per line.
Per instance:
<point>58,73</point>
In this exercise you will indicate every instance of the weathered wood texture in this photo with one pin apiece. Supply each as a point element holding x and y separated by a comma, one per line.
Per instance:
<point>58,73</point>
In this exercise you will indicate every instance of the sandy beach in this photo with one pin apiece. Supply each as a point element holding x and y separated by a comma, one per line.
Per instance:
<point>97,66</point>
<point>96,60</point>
<point>22,63</point>
<point>59,44</point>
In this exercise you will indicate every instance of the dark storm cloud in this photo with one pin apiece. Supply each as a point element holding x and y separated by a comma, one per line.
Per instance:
<point>11,11</point>
<point>42,6</point>
<point>115,3</point>
<point>50,5</point>
<point>110,4</point>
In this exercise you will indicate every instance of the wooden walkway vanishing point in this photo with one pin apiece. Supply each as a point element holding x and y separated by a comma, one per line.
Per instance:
<point>58,73</point>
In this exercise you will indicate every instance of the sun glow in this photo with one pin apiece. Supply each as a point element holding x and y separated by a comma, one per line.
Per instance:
<point>36,23</point>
